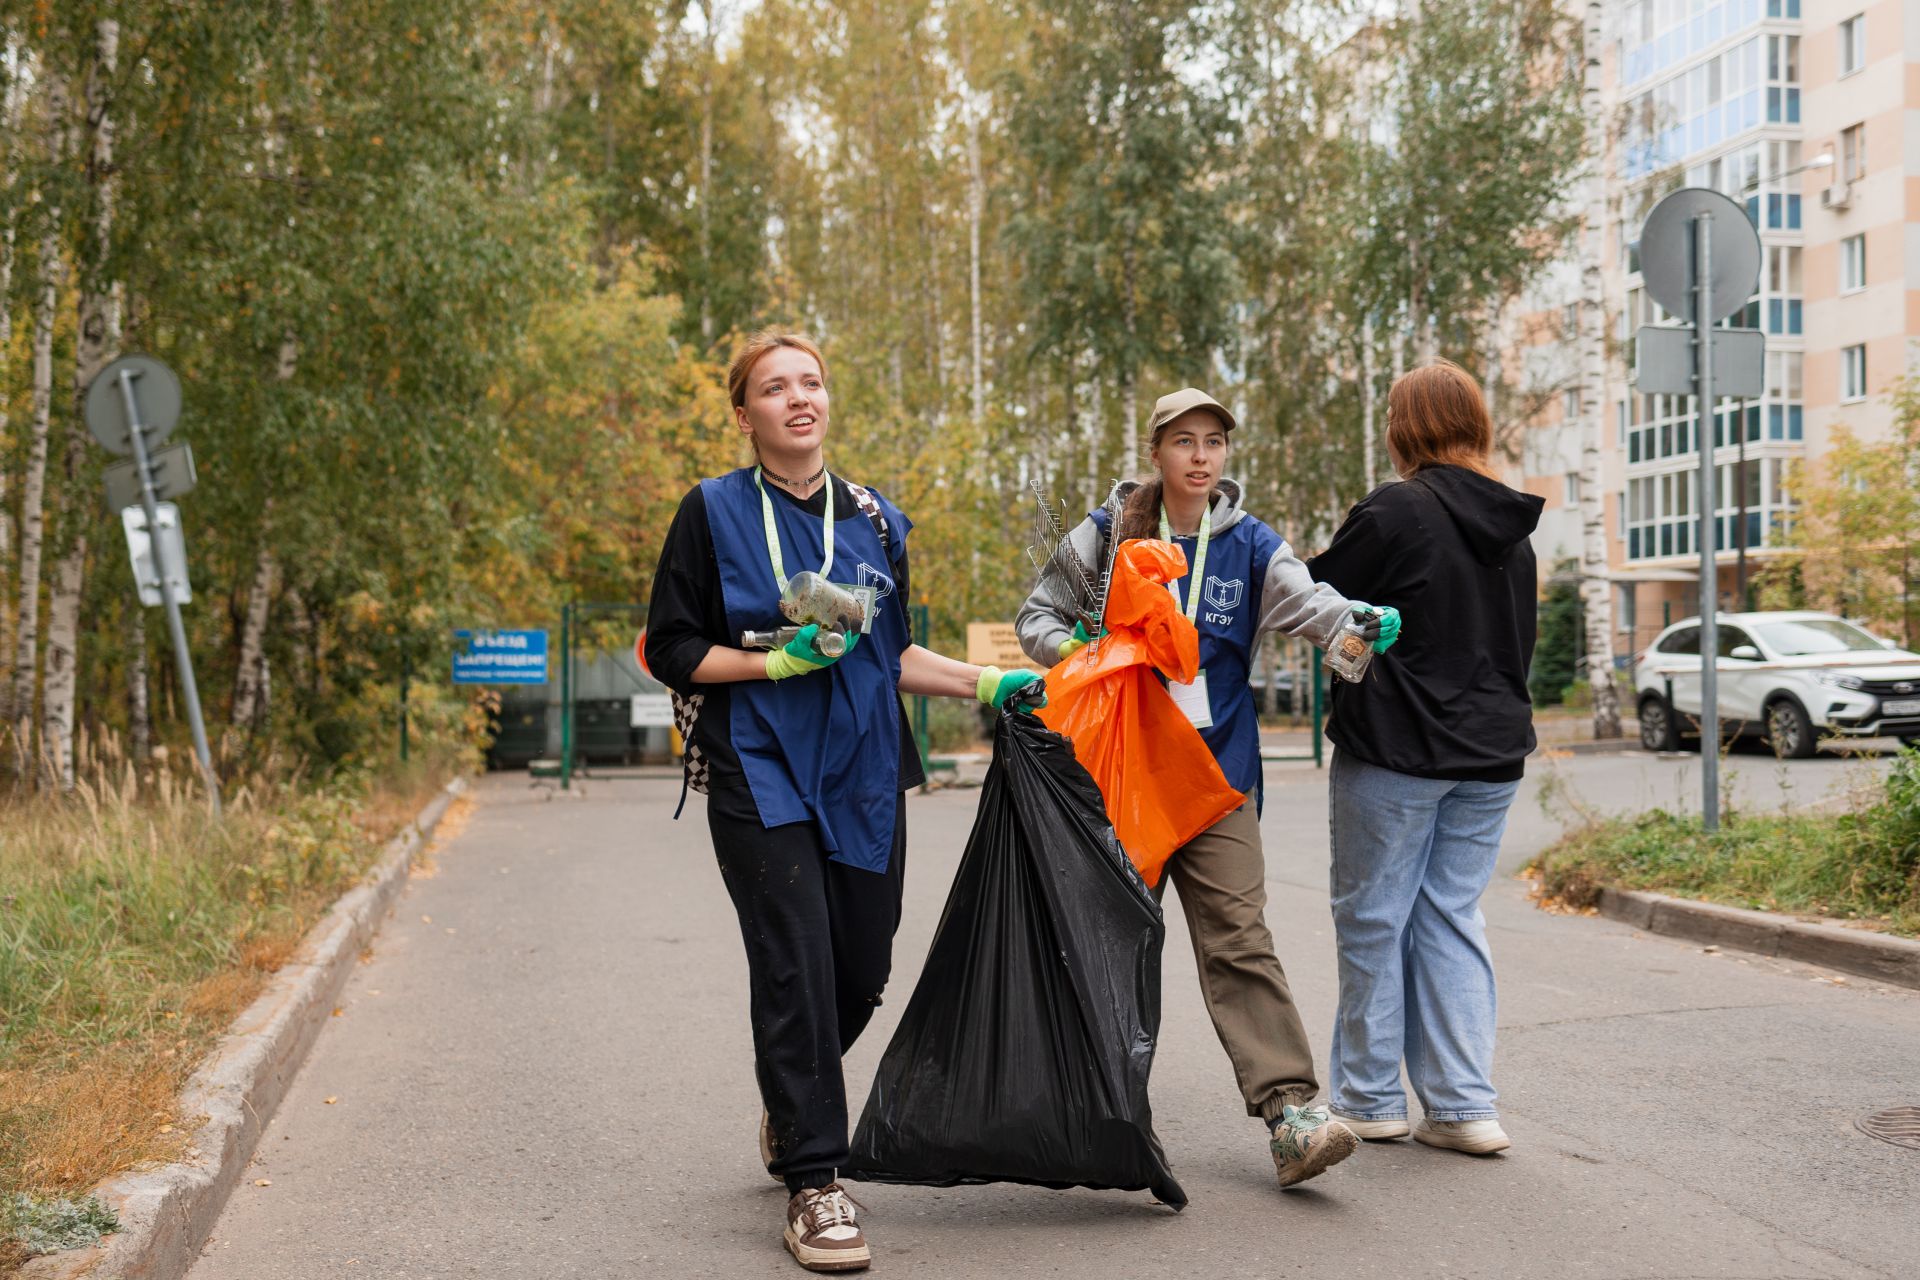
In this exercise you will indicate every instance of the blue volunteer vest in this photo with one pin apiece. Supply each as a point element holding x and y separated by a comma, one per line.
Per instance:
<point>824,747</point>
<point>1227,617</point>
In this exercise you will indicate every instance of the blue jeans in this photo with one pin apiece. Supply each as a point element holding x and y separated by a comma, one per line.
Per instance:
<point>1411,857</point>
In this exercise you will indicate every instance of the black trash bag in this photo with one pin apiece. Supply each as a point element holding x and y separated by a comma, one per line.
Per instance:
<point>1024,1052</point>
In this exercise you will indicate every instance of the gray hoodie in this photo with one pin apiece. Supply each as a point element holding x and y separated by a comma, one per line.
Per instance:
<point>1291,602</point>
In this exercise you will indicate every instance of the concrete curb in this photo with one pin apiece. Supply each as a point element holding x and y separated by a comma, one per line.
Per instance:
<point>166,1214</point>
<point>1590,746</point>
<point>1870,955</point>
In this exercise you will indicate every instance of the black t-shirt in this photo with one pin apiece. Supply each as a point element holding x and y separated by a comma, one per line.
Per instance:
<point>687,616</point>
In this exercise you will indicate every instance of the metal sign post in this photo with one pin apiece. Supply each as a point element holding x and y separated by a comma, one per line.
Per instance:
<point>1703,319</point>
<point>113,412</point>
<point>1700,256</point>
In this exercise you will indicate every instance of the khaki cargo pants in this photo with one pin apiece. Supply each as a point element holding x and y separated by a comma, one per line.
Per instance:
<point>1221,876</point>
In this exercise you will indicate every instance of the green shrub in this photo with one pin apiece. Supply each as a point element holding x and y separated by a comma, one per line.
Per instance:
<point>1556,655</point>
<point>1862,863</point>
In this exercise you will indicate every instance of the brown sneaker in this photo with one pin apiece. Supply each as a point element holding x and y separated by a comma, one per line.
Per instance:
<point>1308,1141</point>
<point>821,1232</point>
<point>767,1153</point>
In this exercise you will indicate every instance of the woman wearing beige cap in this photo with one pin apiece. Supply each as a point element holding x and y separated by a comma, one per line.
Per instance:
<point>1243,581</point>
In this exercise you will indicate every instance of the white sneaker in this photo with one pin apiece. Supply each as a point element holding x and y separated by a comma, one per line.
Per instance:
<point>1475,1137</point>
<point>1374,1130</point>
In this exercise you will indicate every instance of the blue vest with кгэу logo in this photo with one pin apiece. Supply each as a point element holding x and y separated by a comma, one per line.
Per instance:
<point>823,747</point>
<point>1227,618</point>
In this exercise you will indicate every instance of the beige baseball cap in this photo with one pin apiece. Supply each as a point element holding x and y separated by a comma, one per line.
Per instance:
<point>1187,399</point>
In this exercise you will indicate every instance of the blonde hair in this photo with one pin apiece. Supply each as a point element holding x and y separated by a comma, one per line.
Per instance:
<point>1437,416</point>
<point>761,344</point>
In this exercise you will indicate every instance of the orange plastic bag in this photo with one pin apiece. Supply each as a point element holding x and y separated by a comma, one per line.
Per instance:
<point>1161,783</point>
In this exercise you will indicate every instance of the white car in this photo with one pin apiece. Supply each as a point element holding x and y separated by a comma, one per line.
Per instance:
<point>1791,678</point>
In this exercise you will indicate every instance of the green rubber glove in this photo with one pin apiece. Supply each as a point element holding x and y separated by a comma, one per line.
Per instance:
<point>1078,640</point>
<point>800,656</point>
<point>1382,624</point>
<point>996,686</point>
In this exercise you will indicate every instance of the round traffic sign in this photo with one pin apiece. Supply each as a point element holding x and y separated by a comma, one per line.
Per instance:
<point>640,651</point>
<point>1667,241</point>
<point>155,390</point>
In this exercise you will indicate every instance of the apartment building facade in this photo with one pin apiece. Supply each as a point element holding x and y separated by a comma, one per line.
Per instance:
<point>1806,112</point>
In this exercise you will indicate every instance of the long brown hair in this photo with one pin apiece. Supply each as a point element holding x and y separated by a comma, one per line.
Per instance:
<point>1436,415</point>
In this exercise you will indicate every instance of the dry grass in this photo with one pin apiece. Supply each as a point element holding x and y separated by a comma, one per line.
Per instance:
<point>133,928</point>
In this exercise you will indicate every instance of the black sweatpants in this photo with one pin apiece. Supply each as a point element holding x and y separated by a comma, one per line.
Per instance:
<point>819,938</point>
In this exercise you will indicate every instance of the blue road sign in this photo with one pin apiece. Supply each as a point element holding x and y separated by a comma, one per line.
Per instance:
<point>500,657</point>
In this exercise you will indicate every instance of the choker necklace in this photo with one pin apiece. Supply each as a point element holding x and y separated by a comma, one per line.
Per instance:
<point>793,484</point>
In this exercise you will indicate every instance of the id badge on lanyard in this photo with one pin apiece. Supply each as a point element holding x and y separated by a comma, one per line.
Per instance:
<point>1191,698</point>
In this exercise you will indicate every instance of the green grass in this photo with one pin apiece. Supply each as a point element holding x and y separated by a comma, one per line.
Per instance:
<point>1861,862</point>
<point>133,927</point>
<point>49,1226</point>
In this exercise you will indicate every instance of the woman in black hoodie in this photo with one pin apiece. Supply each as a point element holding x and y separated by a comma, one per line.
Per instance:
<point>1428,756</point>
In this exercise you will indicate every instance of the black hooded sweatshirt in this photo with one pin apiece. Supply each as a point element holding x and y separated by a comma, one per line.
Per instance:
<point>1448,548</point>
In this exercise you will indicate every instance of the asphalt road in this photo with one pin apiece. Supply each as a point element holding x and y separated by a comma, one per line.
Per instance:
<point>543,1070</point>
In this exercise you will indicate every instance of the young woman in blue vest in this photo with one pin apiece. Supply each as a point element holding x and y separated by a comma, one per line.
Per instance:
<point>1243,581</point>
<point>807,758</point>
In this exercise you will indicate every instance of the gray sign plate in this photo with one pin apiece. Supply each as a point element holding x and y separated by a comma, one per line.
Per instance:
<point>173,475</point>
<point>155,390</point>
<point>1667,248</point>
<point>1663,361</point>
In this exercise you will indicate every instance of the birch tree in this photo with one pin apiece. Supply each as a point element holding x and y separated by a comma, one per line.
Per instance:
<point>48,268</point>
<point>96,342</point>
<point>10,98</point>
<point>1130,260</point>
<point>1596,590</point>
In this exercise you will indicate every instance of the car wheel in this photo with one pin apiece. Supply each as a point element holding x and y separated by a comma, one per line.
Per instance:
<point>1789,732</point>
<point>1657,731</point>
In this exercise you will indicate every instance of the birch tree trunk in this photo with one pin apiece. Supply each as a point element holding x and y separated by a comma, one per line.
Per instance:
<point>976,213</point>
<point>6,344</point>
<point>139,699</point>
<point>95,344</point>
<point>33,489</point>
<point>709,10</point>
<point>1369,464</point>
<point>249,682</point>
<point>1596,590</point>
<point>60,679</point>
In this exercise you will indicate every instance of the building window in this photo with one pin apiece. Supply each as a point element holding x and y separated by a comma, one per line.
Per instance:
<point>1570,405</point>
<point>1853,263</point>
<point>1570,495</point>
<point>1620,516</point>
<point>1853,153</point>
<point>1853,375</point>
<point>1853,45</point>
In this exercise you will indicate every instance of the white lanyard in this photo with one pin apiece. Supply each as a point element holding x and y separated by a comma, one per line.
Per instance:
<point>1199,562</point>
<point>773,533</point>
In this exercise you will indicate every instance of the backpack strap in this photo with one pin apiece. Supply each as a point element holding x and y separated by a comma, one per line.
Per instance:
<point>867,501</point>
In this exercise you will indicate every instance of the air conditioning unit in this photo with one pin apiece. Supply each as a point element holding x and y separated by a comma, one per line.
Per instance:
<point>1837,196</point>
